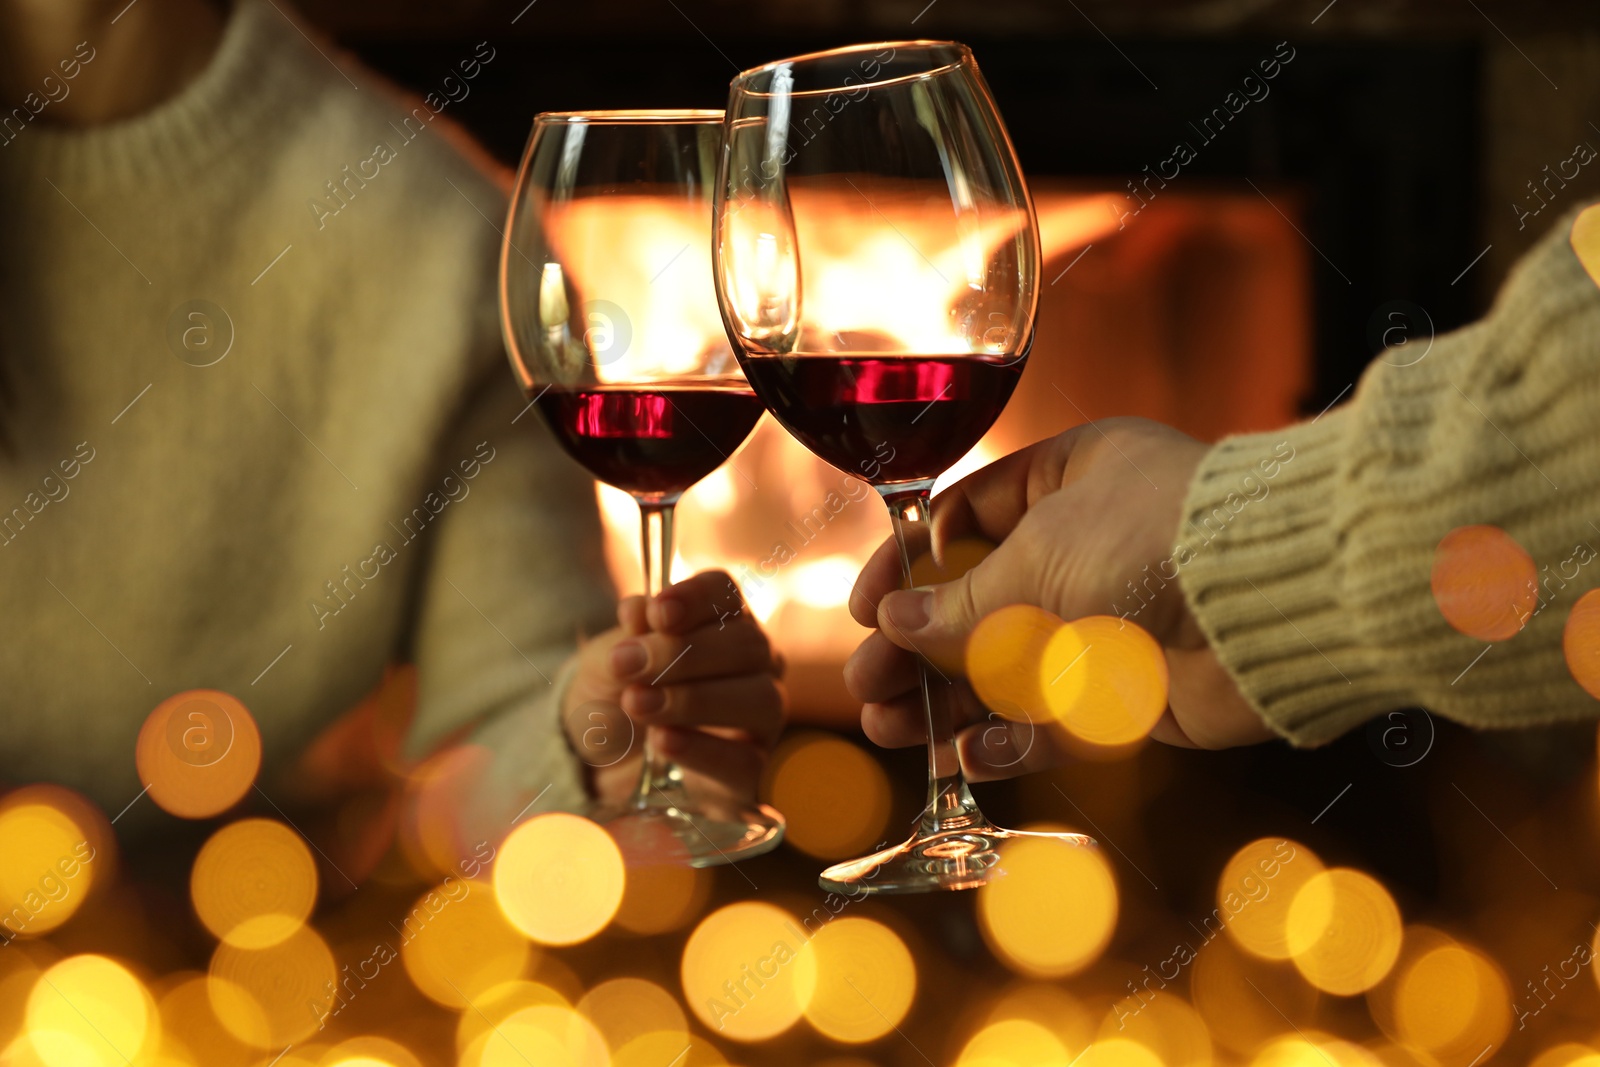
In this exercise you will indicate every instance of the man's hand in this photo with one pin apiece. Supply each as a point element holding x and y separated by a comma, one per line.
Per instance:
<point>694,669</point>
<point>1077,517</point>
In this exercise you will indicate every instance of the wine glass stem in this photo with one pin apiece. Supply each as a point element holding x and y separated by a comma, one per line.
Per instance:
<point>660,780</point>
<point>950,804</point>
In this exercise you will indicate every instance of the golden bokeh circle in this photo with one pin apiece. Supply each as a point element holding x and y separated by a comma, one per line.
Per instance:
<point>267,997</point>
<point>746,972</point>
<point>548,1035</point>
<point>659,897</point>
<point>1105,680</point>
<point>500,1002</point>
<point>1254,892</point>
<point>866,980</point>
<point>198,753</point>
<point>369,1051</point>
<point>559,878</point>
<point>1484,582</point>
<point>1004,661</point>
<point>90,1011</point>
<point>1343,931</point>
<point>455,943</point>
<point>833,794</point>
<point>1013,1043</point>
<point>625,1009</point>
<point>1580,642</point>
<point>1053,911</point>
<point>46,866</point>
<point>254,883</point>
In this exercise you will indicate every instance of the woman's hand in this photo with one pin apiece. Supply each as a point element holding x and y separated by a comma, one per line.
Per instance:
<point>1076,517</point>
<point>693,668</point>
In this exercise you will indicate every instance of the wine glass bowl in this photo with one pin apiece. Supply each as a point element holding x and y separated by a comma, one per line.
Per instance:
<point>876,259</point>
<point>614,333</point>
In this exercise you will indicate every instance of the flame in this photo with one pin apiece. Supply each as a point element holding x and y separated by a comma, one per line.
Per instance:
<point>640,268</point>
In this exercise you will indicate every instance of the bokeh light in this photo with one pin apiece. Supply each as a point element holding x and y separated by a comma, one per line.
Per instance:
<point>1585,240</point>
<point>198,753</point>
<point>455,943</point>
<point>47,864</point>
<point>1314,1050</point>
<point>866,980</point>
<point>1054,911</point>
<point>1122,1052</point>
<point>1485,584</point>
<point>442,809</point>
<point>1245,1000</point>
<point>1050,1006</point>
<point>559,878</point>
<point>547,1035</point>
<point>746,971</point>
<point>90,1011</point>
<point>189,1023</point>
<point>254,883</point>
<point>1105,680</point>
<point>1343,932</point>
<point>1255,890</point>
<point>269,997</point>
<point>1014,1043</point>
<point>624,1009</point>
<point>1166,1028</point>
<point>1443,998</point>
<point>1568,1053</point>
<point>369,1051</point>
<point>498,1003</point>
<point>1580,642</point>
<point>659,897</point>
<point>1003,661</point>
<point>661,1046</point>
<point>834,795</point>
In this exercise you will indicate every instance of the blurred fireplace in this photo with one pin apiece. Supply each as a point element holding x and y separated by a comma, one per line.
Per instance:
<point>1197,316</point>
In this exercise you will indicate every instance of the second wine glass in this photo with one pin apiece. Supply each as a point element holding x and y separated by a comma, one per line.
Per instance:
<point>877,264</point>
<point>613,330</point>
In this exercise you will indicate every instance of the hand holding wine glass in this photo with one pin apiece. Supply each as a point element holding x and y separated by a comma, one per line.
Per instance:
<point>1030,502</point>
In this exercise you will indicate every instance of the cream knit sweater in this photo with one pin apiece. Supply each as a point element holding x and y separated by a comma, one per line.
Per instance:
<point>1313,581</point>
<point>351,481</point>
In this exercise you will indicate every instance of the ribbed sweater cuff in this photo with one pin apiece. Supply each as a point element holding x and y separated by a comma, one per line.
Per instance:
<point>1259,569</point>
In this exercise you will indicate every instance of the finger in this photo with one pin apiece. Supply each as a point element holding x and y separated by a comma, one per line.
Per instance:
<point>883,573</point>
<point>897,723</point>
<point>631,615</point>
<point>935,623</point>
<point>753,703</point>
<point>991,500</point>
<point>672,659</point>
<point>901,722</point>
<point>1001,748</point>
<point>734,765</point>
<point>710,597</point>
<point>879,670</point>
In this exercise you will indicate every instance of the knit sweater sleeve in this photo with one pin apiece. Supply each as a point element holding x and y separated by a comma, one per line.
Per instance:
<point>1306,554</point>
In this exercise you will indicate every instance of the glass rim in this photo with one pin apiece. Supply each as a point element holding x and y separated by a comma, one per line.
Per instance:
<point>632,116</point>
<point>963,55</point>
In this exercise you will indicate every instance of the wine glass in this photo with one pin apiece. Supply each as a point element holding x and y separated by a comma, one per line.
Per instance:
<point>612,326</point>
<point>876,259</point>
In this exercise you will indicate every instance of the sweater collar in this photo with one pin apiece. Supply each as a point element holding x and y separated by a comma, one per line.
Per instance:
<point>254,79</point>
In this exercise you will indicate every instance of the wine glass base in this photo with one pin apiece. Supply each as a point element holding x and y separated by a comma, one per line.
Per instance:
<point>694,834</point>
<point>954,859</point>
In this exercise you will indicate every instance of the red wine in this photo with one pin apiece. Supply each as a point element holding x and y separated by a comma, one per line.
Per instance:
<point>655,440</point>
<point>884,420</point>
